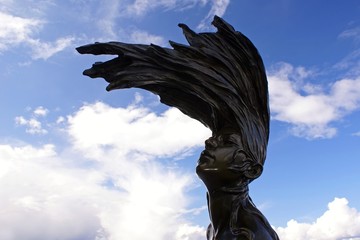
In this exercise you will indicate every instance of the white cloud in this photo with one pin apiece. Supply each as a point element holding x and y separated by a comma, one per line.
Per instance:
<point>41,111</point>
<point>339,222</point>
<point>218,8</point>
<point>22,30</point>
<point>16,30</point>
<point>122,193</point>
<point>108,13</point>
<point>353,33</point>
<point>37,191</point>
<point>141,7</point>
<point>144,37</point>
<point>174,131</point>
<point>44,50</point>
<point>350,63</point>
<point>357,134</point>
<point>119,191</point>
<point>33,8</point>
<point>60,120</point>
<point>308,108</point>
<point>187,232</point>
<point>33,125</point>
<point>25,152</point>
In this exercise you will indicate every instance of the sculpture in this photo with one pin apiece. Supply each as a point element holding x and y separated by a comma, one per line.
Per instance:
<point>219,80</point>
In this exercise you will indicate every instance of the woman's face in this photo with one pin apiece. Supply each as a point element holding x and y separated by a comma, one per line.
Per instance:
<point>222,151</point>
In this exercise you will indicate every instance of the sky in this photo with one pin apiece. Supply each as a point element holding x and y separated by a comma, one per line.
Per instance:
<point>80,163</point>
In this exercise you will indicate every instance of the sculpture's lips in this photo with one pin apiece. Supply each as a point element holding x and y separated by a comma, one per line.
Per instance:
<point>205,157</point>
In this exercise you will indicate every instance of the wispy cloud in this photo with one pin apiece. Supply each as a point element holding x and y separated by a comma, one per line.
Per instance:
<point>17,30</point>
<point>23,31</point>
<point>146,38</point>
<point>218,8</point>
<point>357,134</point>
<point>106,17</point>
<point>339,222</point>
<point>141,7</point>
<point>310,109</point>
<point>352,33</point>
<point>350,64</point>
<point>111,15</point>
<point>44,50</point>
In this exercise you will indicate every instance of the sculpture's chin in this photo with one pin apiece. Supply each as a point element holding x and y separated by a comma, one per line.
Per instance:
<point>206,169</point>
<point>205,173</point>
<point>213,177</point>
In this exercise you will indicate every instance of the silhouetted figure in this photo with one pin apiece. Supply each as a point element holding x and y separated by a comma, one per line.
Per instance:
<point>220,80</point>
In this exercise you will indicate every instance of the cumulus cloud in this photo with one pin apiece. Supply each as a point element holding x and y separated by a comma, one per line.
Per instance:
<point>41,111</point>
<point>188,232</point>
<point>33,124</point>
<point>339,222</point>
<point>110,184</point>
<point>37,191</point>
<point>162,135</point>
<point>310,109</point>
<point>117,191</point>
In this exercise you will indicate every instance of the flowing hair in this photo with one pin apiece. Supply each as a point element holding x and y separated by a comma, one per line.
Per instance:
<point>218,79</point>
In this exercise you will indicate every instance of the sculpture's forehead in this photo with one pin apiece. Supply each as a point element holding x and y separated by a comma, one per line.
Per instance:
<point>227,130</point>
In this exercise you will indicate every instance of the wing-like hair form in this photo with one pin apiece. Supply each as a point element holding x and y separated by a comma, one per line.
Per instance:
<point>219,79</point>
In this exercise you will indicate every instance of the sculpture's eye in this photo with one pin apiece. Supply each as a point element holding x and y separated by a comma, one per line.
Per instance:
<point>229,140</point>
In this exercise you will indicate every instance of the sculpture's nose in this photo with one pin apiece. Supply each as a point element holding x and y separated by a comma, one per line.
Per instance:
<point>211,143</point>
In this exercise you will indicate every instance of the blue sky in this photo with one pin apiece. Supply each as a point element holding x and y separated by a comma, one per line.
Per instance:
<point>91,164</point>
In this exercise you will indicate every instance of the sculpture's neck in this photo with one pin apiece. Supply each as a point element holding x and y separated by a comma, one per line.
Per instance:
<point>223,203</point>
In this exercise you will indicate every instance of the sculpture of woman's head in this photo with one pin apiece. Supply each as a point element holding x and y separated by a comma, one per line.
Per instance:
<point>225,163</point>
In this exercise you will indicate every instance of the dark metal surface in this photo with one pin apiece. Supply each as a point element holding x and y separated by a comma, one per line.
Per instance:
<point>219,80</point>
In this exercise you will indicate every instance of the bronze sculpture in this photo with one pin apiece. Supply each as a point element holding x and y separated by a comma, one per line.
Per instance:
<point>219,80</point>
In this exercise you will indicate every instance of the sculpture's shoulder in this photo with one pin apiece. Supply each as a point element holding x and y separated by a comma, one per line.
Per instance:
<point>254,232</point>
<point>254,227</point>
